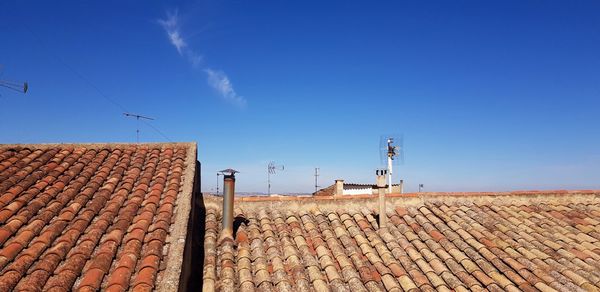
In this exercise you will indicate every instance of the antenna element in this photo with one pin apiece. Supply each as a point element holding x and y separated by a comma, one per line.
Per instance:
<point>16,86</point>
<point>391,152</point>
<point>218,174</point>
<point>316,179</point>
<point>137,130</point>
<point>271,169</point>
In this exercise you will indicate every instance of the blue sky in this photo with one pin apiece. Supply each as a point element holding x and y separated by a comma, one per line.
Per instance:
<point>489,96</point>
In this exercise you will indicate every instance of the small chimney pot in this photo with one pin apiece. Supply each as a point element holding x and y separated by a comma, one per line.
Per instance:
<point>339,187</point>
<point>381,186</point>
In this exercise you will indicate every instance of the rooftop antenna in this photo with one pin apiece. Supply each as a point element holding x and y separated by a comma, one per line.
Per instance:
<point>16,86</point>
<point>316,179</point>
<point>391,152</point>
<point>137,130</point>
<point>272,169</point>
<point>218,174</point>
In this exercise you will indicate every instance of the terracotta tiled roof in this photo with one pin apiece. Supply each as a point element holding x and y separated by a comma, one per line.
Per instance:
<point>328,191</point>
<point>91,216</point>
<point>496,241</point>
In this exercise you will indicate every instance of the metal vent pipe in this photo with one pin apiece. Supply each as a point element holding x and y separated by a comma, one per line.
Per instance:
<point>228,191</point>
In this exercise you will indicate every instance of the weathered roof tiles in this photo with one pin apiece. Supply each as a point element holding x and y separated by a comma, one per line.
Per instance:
<point>501,243</point>
<point>88,217</point>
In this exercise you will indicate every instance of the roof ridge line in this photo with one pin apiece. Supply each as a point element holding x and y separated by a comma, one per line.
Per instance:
<point>96,144</point>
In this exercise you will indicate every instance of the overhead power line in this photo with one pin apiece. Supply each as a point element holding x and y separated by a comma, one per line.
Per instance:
<point>92,85</point>
<point>157,130</point>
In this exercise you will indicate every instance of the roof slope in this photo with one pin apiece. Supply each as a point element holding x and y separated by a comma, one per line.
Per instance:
<point>468,242</point>
<point>91,216</point>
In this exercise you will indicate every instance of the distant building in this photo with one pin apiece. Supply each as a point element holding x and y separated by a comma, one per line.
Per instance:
<point>341,188</point>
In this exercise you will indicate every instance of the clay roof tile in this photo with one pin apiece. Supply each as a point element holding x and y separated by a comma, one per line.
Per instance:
<point>59,200</point>
<point>467,243</point>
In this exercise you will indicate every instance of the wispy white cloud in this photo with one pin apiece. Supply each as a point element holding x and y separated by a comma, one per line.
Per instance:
<point>217,79</point>
<point>221,83</point>
<point>171,26</point>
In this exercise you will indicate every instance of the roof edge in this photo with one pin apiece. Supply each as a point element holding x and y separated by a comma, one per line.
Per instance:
<point>179,230</point>
<point>97,144</point>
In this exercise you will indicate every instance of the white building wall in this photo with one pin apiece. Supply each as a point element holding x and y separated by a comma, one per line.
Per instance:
<point>359,191</point>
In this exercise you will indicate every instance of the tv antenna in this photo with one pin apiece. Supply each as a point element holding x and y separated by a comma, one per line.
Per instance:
<point>272,169</point>
<point>218,174</point>
<point>137,130</point>
<point>391,152</point>
<point>16,86</point>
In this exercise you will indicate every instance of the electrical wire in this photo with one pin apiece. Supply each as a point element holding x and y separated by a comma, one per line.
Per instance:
<point>87,80</point>
<point>157,130</point>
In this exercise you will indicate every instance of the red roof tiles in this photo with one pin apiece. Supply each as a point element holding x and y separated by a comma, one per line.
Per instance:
<point>500,242</point>
<point>89,217</point>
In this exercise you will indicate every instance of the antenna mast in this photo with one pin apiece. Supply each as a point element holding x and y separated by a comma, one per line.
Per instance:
<point>390,155</point>
<point>137,130</point>
<point>218,174</point>
<point>316,179</point>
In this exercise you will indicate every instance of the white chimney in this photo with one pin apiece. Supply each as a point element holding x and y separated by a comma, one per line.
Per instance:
<point>339,187</point>
<point>381,185</point>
